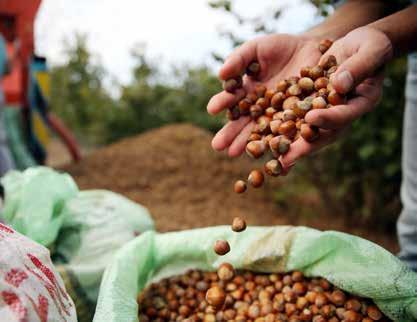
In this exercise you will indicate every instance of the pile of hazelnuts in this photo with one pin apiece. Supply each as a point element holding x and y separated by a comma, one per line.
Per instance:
<point>279,112</point>
<point>243,296</point>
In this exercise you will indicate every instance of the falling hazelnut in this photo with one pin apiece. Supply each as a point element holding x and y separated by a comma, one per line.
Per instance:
<point>238,224</point>
<point>273,168</point>
<point>221,247</point>
<point>255,149</point>
<point>256,178</point>
<point>240,186</point>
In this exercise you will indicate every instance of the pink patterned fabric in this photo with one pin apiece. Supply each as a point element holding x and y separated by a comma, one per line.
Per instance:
<point>30,288</point>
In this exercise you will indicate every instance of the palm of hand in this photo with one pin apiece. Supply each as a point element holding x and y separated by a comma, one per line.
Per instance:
<point>280,56</point>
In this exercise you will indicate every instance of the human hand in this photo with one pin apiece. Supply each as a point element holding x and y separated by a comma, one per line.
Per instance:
<point>360,54</point>
<point>280,56</point>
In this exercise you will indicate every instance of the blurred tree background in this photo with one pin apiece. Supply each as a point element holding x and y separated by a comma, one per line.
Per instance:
<point>358,177</point>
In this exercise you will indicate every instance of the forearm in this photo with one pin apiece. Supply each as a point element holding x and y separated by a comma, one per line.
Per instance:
<point>351,15</point>
<point>401,29</point>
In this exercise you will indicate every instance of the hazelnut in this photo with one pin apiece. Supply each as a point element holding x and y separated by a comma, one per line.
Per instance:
<point>298,123</point>
<point>323,92</point>
<point>240,186</point>
<point>262,102</point>
<point>306,84</point>
<point>238,224</point>
<point>293,80</point>
<point>254,69</point>
<point>255,149</point>
<point>274,126</point>
<point>338,297</point>
<point>302,107</point>
<point>353,304</point>
<point>281,86</point>
<point>316,72</point>
<point>267,138</point>
<point>232,84</point>
<point>226,272</point>
<point>233,113</point>
<point>320,83</point>
<point>270,93</point>
<point>331,70</point>
<point>256,178</point>
<point>263,124</point>
<point>374,313</point>
<point>252,97</point>
<point>309,132</point>
<point>324,45</point>
<point>215,296</point>
<point>260,90</point>
<point>270,111</point>
<point>290,103</point>
<point>244,106</point>
<point>256,111</point>
<point>273,168</point>
<point>335,98</point>
<point>221,247</point>
<point>329,62</point>
<point>280,144</point>
<point>318,103</point>
<point>351,316</point>
<point>277,100</point>
<point>293,90</point>
<point>288,129</point>
<point>288,115</point>
<point>278,116</point>
<point>305,71</point>
<point>254,137</point>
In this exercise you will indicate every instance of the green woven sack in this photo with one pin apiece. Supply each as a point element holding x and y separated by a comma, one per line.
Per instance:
<point>82,229</point>
<point>351,263</point>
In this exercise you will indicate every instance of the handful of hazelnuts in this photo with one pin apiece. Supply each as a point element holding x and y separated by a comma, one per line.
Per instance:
<point>279,112</point>
<point>243,296</point>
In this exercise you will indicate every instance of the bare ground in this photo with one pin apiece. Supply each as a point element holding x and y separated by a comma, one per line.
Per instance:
<point>185,184</point>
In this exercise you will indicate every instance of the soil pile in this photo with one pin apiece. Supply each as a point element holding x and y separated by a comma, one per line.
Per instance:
<point>185,184</point>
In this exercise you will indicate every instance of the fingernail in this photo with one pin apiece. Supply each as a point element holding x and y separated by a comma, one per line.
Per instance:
<point>344,81</point>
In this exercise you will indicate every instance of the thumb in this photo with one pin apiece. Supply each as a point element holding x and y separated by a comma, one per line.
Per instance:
<point>363,64</point>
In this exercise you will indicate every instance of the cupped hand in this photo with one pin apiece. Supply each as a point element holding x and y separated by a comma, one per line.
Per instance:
<point>360,54</point>
<point>280,56</point>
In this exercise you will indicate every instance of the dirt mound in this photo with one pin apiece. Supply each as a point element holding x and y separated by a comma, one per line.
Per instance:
<point>185,184</point>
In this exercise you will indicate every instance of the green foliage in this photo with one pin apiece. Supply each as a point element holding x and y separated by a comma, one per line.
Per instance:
<point>77,92</point>
<point>79,97</point>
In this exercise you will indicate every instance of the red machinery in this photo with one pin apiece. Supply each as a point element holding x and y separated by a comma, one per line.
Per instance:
<point>17,26</point>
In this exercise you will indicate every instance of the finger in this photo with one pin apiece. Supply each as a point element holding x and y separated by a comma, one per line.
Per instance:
<point>301,148</point>
<point>224,100</point>
<point>239,143</point>
<point>339,116</point>
<point>361,65</point>
<point>228,133</point>
<point>237,62</point>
